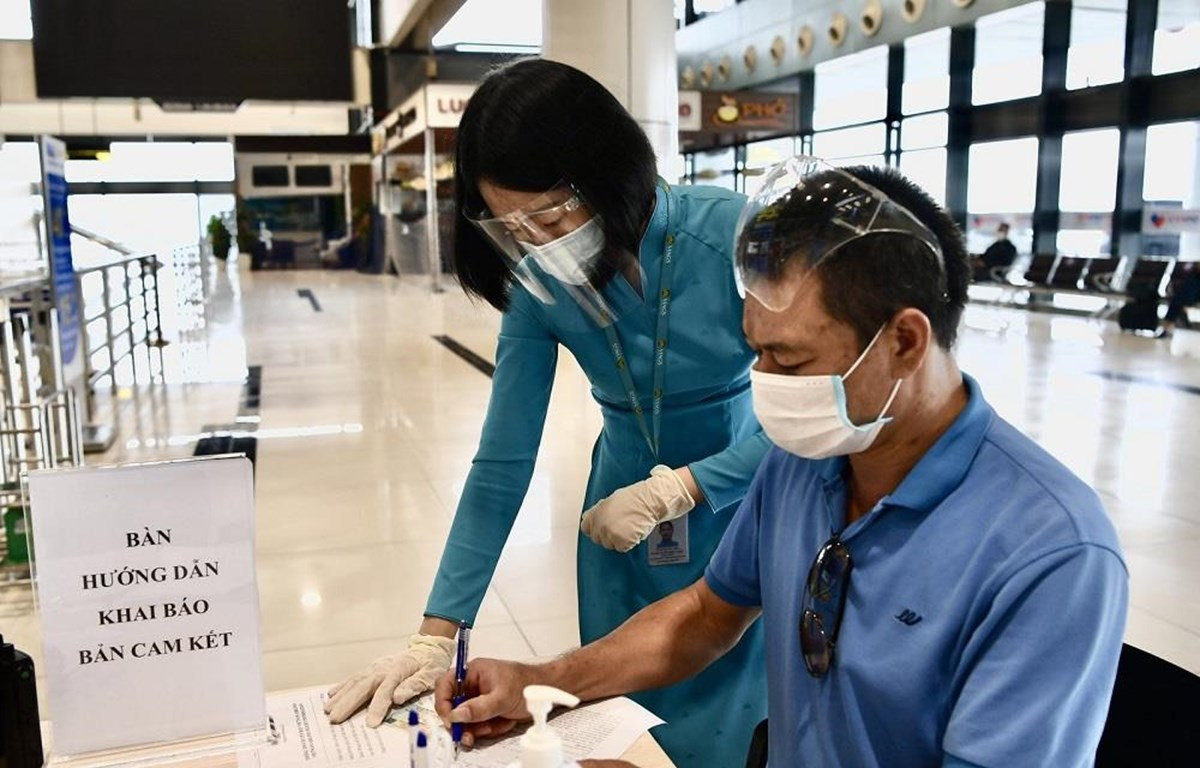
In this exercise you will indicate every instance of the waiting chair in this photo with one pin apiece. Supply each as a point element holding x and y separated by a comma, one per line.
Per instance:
<point>1148,719</point>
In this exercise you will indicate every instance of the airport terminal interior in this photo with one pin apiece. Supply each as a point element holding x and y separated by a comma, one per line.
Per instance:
<point>261,251</point>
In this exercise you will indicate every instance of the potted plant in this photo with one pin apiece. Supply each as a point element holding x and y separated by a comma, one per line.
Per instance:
<point>218,235</point>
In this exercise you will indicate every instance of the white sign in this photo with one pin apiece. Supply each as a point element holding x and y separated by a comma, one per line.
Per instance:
<point>1170,221</point>
<point>445,102</point>
<point>148,600</point>
<point>689,111</point>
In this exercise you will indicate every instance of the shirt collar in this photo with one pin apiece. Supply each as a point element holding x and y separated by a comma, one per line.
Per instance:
<point>943,466</point>
<point>656,229</point>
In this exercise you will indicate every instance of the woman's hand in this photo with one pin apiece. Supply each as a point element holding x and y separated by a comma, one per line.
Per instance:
<point>626,518</point>
<point>396,678</point>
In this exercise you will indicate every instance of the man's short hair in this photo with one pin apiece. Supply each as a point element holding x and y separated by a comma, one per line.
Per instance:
<point>868,280</point>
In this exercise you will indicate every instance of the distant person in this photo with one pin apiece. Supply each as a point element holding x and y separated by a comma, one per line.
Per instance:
<point>1185,295</point>
<point>1001,253</point>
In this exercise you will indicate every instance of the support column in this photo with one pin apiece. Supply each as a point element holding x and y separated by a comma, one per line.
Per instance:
<point>629,47</point>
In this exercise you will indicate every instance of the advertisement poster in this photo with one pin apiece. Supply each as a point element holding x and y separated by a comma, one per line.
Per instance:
<point>62,267</point>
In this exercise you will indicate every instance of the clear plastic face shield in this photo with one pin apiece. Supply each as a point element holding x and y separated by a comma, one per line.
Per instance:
<point>554,247</point>
<point>805,211</point>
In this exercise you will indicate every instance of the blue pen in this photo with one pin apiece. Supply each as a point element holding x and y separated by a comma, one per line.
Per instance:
<point>460,680</point>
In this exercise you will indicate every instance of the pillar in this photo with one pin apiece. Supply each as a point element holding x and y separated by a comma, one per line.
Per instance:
<point>629,47</point>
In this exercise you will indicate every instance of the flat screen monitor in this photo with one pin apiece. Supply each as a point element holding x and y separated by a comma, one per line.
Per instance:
<point>193,51</point>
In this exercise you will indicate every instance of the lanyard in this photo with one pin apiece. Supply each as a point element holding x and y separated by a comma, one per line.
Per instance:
<point>660,344</point>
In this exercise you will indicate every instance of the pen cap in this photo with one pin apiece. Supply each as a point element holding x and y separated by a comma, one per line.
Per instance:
<point>540,746</point>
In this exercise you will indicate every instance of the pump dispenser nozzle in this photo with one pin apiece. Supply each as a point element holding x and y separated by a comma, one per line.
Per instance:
<point>540,746</point>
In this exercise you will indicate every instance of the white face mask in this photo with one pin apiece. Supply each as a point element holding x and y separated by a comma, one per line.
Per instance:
<point>568,258</point>
<point>806,415</point>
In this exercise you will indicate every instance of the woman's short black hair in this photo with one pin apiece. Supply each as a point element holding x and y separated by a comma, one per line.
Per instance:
<point>530,125</point>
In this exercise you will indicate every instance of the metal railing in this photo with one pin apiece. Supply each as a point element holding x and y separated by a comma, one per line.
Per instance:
<point>128,316</point>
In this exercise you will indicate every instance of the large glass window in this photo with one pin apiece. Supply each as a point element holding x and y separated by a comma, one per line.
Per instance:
<point>157,161</point>
<point>1087,192</point>
<point>20,169</point>
<point>1177,36</point>
<point>151,223</point>
<point>1097,52</point>
<point>1008,54</point>
<point>1172,182</point>
<point>859,141</point>
<point>761,155</point>
<point>851,89</point>
<point>927,169</point>
<point>1001,187</point>
<point>716,167</point>
<point>926,72</point>
<point>15,20</point>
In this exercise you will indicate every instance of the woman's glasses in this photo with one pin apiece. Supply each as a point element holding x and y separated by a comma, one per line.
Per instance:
<point>824,603</point>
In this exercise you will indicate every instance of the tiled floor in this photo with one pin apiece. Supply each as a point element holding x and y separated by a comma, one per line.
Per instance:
<point>368,427</point>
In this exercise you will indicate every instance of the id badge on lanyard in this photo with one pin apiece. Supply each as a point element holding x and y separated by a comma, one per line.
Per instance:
<point>668,542</point>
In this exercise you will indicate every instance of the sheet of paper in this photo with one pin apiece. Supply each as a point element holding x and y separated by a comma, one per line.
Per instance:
<point>604,730</point>
<point>306,738</point>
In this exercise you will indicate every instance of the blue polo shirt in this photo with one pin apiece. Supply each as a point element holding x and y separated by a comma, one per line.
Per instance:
<point>984,616</point>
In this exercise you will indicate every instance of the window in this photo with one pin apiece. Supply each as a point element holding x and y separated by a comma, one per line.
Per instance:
<point>1097,52</point>
<point>313,176</point>
<point>850,142</point>
<point>852,89</point>
<point>157,161</point>
<point>716,167</point>
<point>927,169</point>
<point>925,131</point>
<point>20,169</point>
<point>1087,191</point>
<point>762,155</point>
<point>1171,163</point>
<point>1177,37</point>
<point>1172,182</point>
<point>16,22</point>
<point>1008,54</point>
<point>1001,186</point>
<point>926,72</point>
<point>269,176</point>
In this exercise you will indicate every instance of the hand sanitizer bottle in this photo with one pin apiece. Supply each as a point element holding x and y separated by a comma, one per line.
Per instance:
<point>540,746</point>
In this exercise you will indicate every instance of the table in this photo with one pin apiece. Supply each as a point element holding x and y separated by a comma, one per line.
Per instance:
<point>645,753</point>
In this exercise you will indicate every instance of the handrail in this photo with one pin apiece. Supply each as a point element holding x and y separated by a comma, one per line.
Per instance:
<point>137,278</point>
<point>124,250</point>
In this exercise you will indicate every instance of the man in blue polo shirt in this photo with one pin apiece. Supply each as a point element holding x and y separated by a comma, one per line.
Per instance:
<point>935,588</point>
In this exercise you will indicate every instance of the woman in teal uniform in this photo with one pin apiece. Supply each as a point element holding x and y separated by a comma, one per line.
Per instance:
<point>567,230</point>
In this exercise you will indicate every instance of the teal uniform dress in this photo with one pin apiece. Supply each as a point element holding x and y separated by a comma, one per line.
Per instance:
<point>706,423</point>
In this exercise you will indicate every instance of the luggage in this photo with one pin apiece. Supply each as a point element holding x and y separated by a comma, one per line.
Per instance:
<point>1139,314</point>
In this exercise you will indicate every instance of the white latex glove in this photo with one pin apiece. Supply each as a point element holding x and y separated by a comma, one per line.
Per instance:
<point>392,680</point>
<point>628,516</point>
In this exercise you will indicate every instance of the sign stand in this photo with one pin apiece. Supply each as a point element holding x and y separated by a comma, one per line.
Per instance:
<point>145,584</point>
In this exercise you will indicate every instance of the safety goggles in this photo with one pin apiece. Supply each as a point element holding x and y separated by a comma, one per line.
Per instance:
<point>804,213</point>
<point>552,215</point>
<point>554,247</point>
<point>824,603</point>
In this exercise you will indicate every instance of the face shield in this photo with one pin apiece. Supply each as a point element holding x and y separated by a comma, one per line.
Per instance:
<point>805,211</point>
<point>554,246</point>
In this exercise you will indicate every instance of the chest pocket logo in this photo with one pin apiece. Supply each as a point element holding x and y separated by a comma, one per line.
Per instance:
<point>909,617</point>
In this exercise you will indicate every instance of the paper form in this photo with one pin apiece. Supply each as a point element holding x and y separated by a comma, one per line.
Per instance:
<point>603,730</point>
<point>305,737</point>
